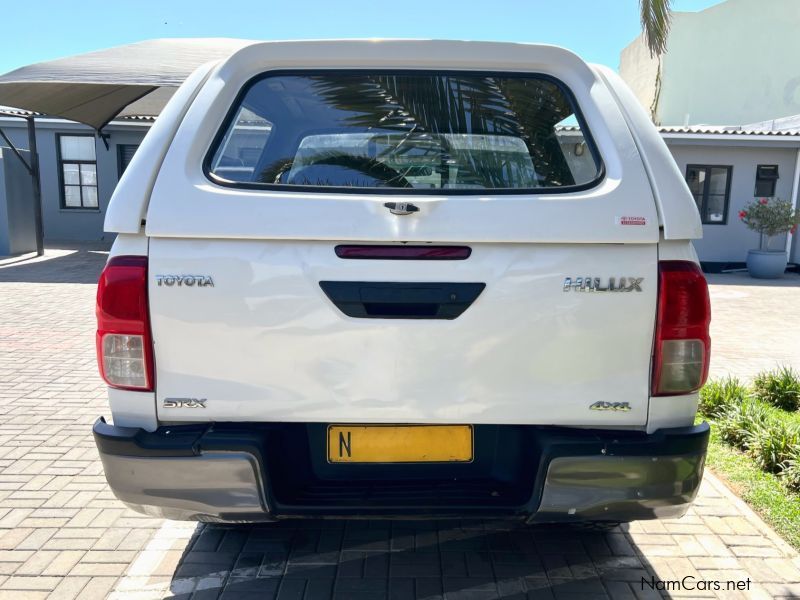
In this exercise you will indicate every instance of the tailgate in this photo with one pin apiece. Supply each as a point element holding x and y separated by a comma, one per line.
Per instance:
<point>257,318</point>
<point>266,343</point>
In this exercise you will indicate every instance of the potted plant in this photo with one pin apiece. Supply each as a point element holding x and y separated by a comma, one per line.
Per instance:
<point>770,218</point>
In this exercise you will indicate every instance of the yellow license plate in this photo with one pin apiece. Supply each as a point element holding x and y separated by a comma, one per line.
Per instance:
<point>399,443</point>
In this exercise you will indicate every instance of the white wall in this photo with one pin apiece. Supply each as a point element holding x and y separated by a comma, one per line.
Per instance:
<point>640,71</point>
<point>731,64</point>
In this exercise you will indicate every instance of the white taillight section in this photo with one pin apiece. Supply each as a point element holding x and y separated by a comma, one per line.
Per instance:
<point>124,348</point>
<point>123,360</point>
<point>682,364</point>
<point>682,344</point>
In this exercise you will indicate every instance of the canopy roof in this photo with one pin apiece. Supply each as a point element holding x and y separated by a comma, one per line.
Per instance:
<point>93,88</point>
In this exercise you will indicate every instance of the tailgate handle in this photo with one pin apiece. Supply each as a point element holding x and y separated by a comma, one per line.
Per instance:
<point>396,300</point>
<point>401,208</point>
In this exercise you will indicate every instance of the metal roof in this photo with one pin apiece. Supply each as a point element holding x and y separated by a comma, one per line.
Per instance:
<point>710,130</point>
<point>6,111</point>
<point>726,130</point>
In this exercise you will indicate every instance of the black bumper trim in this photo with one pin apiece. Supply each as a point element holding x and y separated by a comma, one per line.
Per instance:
<point>176,441</point>
<point>548,446</point>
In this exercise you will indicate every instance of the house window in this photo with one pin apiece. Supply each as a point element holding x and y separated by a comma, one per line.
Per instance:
<point>710,185</point>
<point>125,154</point>
<point>77,165</point>
<point>766,178</point>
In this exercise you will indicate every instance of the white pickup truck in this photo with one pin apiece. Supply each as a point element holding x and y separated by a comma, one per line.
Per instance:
<point>399,278</point>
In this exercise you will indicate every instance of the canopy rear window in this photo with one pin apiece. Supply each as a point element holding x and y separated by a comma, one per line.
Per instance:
<point>405,132</point>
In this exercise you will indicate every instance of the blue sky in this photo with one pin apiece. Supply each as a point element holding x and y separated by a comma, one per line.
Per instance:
<point>597,29</point>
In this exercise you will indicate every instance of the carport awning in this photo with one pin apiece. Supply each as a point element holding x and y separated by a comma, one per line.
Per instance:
<point>94,88</point>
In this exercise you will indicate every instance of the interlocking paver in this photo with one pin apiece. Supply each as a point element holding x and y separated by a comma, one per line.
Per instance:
<point>51,484</point>
<point>64,535</point>
<point>741,305</point>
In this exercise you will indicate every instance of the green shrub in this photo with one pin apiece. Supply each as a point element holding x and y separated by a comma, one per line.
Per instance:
<point>737,422</point>
<point>791,469</point>
<point>756,422</point>
<point>772,444</point>
<point>716,396</point>
<point>780,388</point>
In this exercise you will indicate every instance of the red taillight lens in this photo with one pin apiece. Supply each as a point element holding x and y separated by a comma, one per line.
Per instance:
<point>682,344</point>
<point>124,347</point>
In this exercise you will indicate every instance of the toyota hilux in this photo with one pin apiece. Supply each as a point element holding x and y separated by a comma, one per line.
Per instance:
<point>403,278</point>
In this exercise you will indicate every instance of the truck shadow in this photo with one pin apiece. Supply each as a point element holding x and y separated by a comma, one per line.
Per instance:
<point>378,559</point>
<point>61,263</point>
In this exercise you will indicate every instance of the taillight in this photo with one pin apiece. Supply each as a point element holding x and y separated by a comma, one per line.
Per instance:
<point>124,348</point>
<point>682,344</point>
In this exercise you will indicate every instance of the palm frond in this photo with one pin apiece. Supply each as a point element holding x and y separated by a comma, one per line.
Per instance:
<point>656,19</point>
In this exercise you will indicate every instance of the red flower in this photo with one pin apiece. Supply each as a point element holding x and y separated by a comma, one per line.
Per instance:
<point>763,201</point>
<point>742,214</point>
<point>793,230</point>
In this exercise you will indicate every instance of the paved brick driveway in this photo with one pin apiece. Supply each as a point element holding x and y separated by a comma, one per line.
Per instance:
<point>754,325</point>
<point>63,535</point>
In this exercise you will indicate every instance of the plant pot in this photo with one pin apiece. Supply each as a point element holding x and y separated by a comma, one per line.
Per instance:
<point>766,264</point>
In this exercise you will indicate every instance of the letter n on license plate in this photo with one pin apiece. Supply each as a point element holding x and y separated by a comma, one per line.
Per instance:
<point>399,443</point>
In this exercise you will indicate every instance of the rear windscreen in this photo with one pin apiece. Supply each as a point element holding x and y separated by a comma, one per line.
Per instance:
<point>408,132</point>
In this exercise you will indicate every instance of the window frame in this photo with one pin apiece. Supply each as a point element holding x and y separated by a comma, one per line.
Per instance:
<point>729,179</point>
<point>772,180</point>
<point>230,115</point>
<point>120,167</point>
<point>60,161</point>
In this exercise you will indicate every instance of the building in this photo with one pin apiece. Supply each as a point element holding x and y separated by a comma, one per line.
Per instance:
<point>730,64</point>
<point>726,67</point>
<point>79,170</point>
<point>725,168</point>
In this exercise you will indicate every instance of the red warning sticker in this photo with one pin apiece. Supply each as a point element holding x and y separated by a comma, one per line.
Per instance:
<point>631,221</point>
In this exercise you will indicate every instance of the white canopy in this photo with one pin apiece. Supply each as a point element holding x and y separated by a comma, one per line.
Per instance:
<point>93,88</point>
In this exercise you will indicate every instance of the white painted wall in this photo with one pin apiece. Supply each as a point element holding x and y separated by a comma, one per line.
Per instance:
<point>640,71</point>
<point>731,64</point>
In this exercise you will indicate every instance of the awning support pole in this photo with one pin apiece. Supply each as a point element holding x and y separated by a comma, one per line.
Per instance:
<point>15,151</point>
<point>37,190</point>
<point>33,170</point>
<point>795,193</point>
<point>104,137</point>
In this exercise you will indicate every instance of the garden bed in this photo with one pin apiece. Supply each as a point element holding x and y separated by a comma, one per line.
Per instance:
<point>755,444</point>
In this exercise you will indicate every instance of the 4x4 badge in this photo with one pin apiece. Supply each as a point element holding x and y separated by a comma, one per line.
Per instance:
<point>615,406</point>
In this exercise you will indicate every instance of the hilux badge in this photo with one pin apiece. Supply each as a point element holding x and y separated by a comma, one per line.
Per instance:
<point>595,284</point>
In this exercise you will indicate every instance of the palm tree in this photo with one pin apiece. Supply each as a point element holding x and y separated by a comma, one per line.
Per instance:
<point>655,24</point>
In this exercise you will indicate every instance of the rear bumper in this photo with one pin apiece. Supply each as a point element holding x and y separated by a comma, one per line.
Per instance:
<point>237,472</point>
